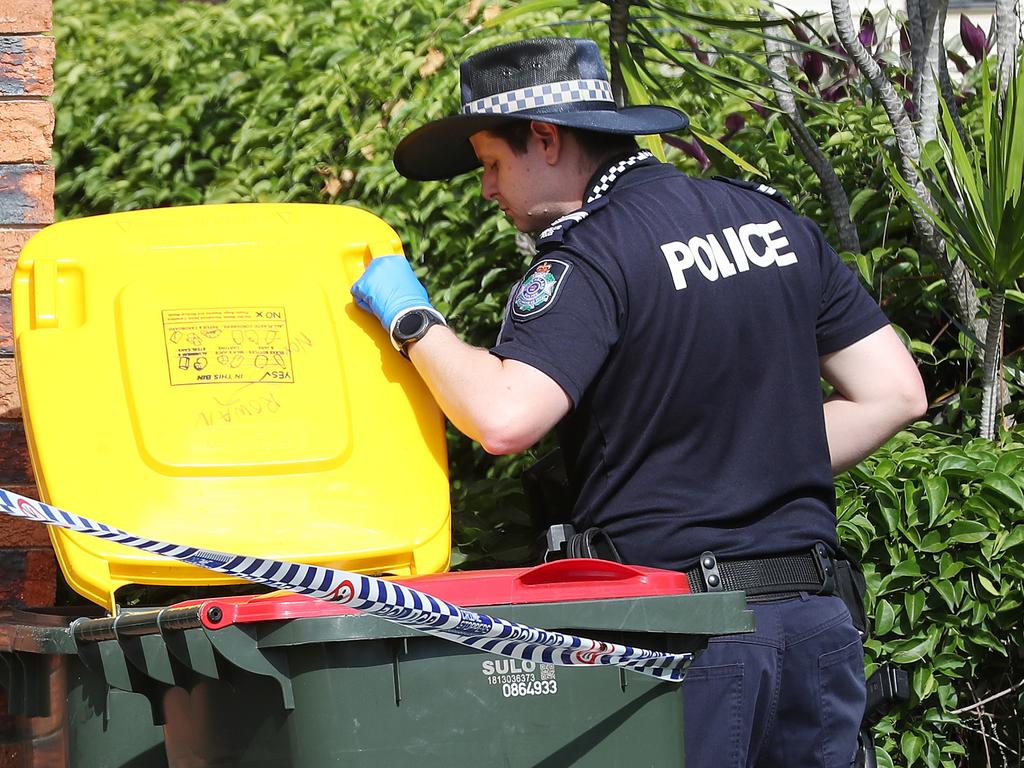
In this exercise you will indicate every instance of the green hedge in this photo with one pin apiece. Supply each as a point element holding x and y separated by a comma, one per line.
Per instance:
<point>939,526</point>
<point>165,103</point>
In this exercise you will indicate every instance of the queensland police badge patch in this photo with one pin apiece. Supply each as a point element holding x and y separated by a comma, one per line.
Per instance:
<point>539,288</point>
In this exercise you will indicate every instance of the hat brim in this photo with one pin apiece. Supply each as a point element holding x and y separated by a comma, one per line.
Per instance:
<point>441,149</point>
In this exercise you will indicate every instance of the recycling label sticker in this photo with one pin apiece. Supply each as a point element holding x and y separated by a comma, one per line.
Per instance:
<point>227,345</point>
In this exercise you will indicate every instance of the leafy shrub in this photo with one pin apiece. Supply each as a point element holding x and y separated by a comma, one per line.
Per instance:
<point>939,526</point>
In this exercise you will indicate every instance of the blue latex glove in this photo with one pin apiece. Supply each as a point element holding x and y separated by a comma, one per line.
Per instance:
<point>388,288</point>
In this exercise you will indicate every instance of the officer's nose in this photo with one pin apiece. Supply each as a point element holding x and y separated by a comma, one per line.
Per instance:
<point>488,189</point>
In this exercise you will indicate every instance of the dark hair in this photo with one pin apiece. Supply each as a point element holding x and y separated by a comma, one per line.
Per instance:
<point>596,146</point>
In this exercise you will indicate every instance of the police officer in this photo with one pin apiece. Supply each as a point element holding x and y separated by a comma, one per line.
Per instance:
<point>675,331</point>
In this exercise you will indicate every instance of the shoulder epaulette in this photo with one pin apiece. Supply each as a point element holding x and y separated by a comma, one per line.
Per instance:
<point>764,189</point>
<point>552,236</point>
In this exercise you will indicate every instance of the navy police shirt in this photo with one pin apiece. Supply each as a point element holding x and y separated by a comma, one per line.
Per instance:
<point>685,319</point>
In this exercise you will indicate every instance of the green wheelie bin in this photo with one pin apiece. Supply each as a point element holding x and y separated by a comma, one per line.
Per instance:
<point>71,706</point>
<point>291,682</point>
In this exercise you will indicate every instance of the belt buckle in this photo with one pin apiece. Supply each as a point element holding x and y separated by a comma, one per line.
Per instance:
<point>826,570</point>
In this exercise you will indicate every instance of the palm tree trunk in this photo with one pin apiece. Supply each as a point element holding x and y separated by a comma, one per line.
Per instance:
<point>826,173</point>
<point>946,88</point>
<point>903,129</point>
<point>1007,40</point>
<point>991,374</point>
<point>958,279</point>
<point>932,14</point>
<point>618,29</point>
<point>915,31</point>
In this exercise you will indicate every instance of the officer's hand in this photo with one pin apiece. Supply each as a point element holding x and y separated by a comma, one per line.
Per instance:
<point>388,287</point>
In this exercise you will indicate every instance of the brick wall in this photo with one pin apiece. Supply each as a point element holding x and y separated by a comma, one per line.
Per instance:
<point>27,567</point>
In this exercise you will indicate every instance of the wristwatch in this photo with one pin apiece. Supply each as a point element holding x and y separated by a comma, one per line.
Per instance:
<point>412,325</point>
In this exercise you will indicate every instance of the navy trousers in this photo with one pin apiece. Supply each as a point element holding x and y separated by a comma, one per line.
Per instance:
<point>790,695</point>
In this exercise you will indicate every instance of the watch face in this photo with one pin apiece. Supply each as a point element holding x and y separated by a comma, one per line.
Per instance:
<point>410,325</point>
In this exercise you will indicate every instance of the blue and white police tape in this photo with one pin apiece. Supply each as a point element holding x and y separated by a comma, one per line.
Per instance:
<point>390,601</point>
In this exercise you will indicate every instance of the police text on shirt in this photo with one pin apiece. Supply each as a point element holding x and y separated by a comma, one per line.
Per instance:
<point>709,256</point>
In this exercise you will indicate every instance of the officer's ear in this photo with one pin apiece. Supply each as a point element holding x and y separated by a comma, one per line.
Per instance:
<point>549,138</point>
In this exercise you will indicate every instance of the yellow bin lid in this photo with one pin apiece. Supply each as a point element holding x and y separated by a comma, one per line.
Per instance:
<point>201,375</point>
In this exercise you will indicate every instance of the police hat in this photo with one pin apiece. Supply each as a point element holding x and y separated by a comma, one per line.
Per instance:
<point>553,80</point>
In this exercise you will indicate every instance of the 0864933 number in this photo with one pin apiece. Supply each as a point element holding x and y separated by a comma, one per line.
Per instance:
<point>529,688</point>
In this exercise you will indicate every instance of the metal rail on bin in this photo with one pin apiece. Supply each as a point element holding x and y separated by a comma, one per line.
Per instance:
<point>137,623</point>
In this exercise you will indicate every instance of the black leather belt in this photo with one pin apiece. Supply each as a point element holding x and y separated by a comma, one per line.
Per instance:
<point>812,572</point>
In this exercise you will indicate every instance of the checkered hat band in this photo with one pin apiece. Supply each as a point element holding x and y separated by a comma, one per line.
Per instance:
<point>546,95</point>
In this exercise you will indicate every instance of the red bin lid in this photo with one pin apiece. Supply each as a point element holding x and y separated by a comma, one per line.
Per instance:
<point>558,581</point>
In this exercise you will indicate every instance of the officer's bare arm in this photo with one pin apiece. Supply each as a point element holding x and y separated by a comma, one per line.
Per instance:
<point>878,391</point>
<point>504,405</point>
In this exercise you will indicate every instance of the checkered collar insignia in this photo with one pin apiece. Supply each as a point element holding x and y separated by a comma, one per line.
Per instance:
<point>612,173</point>
<point>551,236</point>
